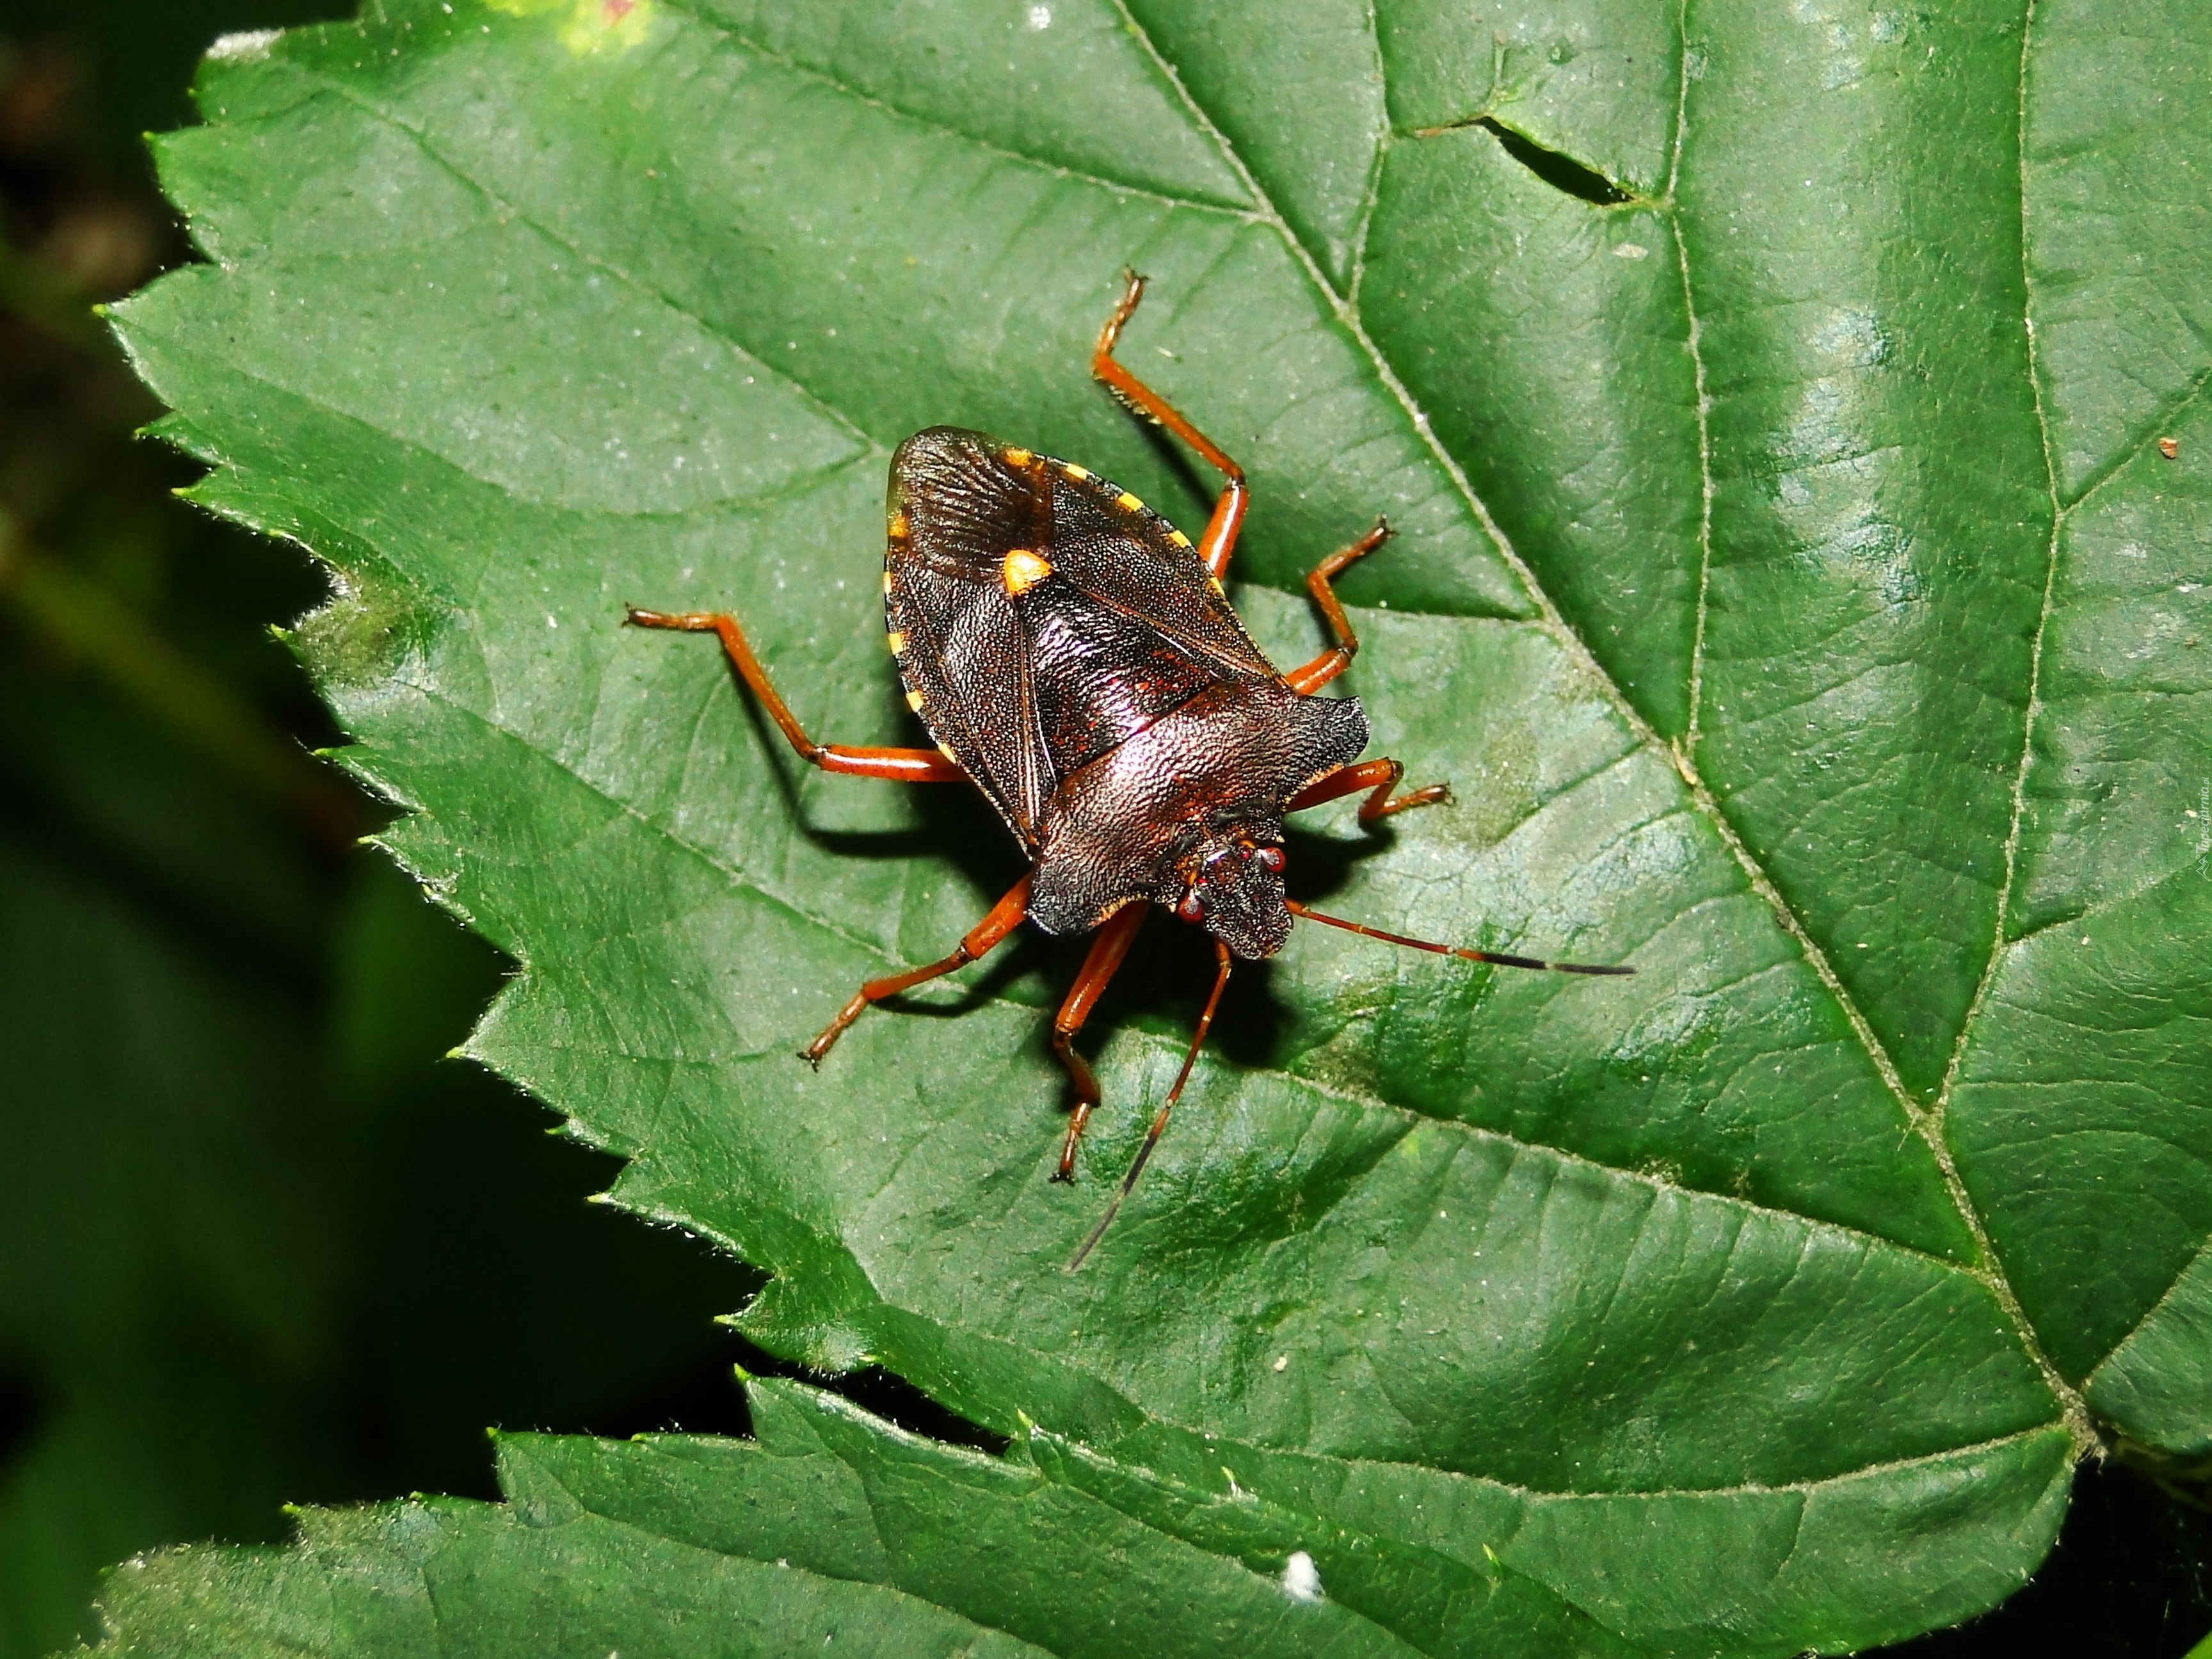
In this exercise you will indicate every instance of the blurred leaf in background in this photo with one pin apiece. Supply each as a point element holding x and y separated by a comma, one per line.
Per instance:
<point>258,1243</point>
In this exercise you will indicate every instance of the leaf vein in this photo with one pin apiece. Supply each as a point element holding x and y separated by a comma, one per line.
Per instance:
<point>813,72</point>
<point>422,139</point>
<point>2078,1420</point>
<point>1696,344</point>
<point>2160,427</point>
<point>2112,1354</point>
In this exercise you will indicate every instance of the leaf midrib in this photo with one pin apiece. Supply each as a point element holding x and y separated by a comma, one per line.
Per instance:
<point>2077,1411</point>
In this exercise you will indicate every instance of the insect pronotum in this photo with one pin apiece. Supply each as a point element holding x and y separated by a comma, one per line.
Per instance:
<point>1074,657</point>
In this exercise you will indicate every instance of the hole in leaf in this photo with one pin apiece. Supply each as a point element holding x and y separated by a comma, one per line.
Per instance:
<point>1560,172</point>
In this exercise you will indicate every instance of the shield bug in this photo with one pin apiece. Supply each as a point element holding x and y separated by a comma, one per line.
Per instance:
<point>1074,657</point>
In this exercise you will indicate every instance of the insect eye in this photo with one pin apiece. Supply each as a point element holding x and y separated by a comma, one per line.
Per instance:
<point>1190,907</point>
<point>1272,857</point>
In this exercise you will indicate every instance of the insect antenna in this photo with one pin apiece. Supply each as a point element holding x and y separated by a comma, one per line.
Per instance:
<point>1160,1120</point>
<point>1460,951</point>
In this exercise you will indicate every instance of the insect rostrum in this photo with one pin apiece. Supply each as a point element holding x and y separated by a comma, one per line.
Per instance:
<point>1074,655</point>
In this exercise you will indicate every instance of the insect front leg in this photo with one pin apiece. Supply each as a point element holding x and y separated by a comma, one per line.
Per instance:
<point>1220,537</point>
<point>1377,777</point>
<point>900,765</point>
<point>1107,946</point>
<point>1005,915</point>
<point>1320,582</point>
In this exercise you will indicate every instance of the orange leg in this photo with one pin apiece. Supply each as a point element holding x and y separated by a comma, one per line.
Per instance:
<point>1378,778</point>
<point>1005,915</point>
<point>1326,666</point>
<point>900,765</point>
<point>1220,537</point>
<point>1107,946</point>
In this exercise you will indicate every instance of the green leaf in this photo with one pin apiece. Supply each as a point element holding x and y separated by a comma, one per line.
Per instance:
<point>1790,583</point>
<point>833,1528</point>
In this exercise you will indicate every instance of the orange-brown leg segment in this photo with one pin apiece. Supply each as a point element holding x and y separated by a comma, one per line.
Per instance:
<point>1220,537</point>
<point>1005,915</point>
<point>900,765</point>
<point>1378,778</point>
<point>1331,663</point>
<point>1107,946</point>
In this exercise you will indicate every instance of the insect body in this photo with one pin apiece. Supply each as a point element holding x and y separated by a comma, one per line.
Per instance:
<point>1074,655</point>
<point>1071,653</point>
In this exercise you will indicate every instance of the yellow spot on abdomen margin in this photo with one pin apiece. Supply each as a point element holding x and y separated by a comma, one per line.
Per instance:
<point>1128,502</point>
<point>1074,471</point>
<point>887,581</point>
<point>1178,538</point>
<point>897,641</point>
<point>1022,570</point>
<point>898,526</point>
<point>914,701</point>
<point>1018,457</point>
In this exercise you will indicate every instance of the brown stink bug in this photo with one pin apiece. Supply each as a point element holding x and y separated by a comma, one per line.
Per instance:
<point>1075,658</point>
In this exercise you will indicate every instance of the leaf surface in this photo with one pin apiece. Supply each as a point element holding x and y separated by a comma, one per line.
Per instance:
<point>1793,619</point>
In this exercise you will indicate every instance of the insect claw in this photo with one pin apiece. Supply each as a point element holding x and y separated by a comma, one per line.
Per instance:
<point>1132,290</point>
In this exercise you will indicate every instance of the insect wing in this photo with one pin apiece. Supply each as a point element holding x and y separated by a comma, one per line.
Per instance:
<point>1042,616</point>
<point>1127,626</point>
<point>960,503</point>
<point>1111,548</point>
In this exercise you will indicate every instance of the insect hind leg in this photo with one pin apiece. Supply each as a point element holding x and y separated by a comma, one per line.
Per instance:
<point>1220,537</point>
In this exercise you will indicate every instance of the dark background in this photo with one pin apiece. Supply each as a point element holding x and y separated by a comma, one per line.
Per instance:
<point>259,1243</point>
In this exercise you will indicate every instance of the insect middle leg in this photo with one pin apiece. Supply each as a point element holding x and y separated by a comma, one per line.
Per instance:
<point>1107,946</point>
<point>900,765</point>
<point>1220,537</point>
<point>1004,916</point>
<point>1377,777</point>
